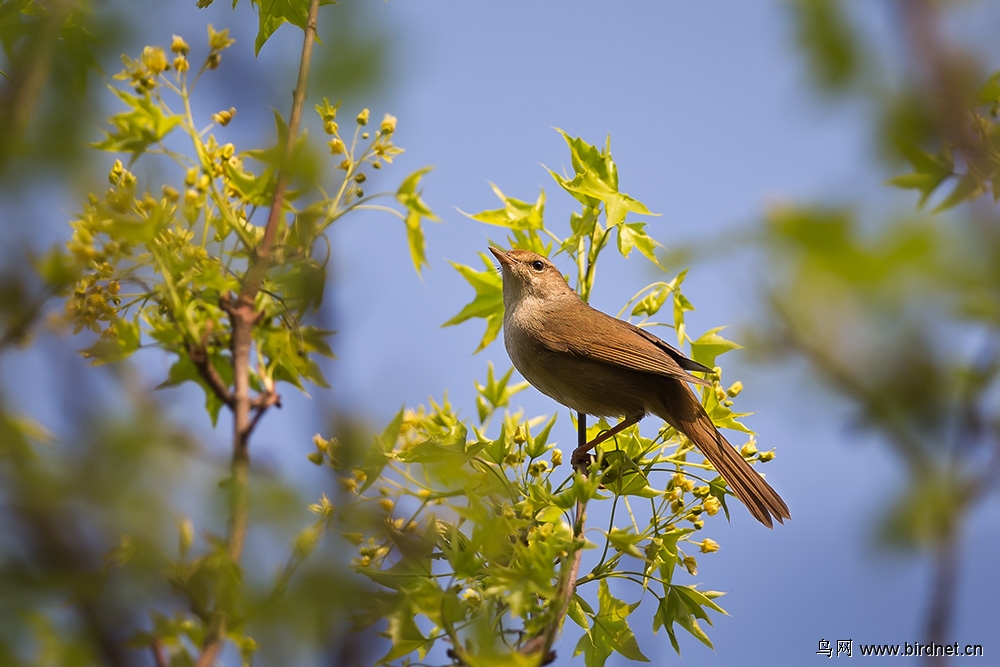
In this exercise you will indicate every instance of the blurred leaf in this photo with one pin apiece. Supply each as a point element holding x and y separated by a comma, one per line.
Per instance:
<point>968,187</point>
<point>136,130</point>
<point>828,39</point>
<point>927,514</point>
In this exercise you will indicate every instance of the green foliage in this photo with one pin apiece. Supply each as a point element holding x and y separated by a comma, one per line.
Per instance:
<point>482,534</point>
<point>897,311</point>
<point>159,267</point>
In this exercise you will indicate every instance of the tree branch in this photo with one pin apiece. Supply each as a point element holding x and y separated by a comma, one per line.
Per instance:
<point>243,317</point>
<point>199,357</point>
<point>543,642</point>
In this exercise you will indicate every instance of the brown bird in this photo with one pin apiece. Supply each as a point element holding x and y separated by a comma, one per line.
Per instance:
<point>602,366</point>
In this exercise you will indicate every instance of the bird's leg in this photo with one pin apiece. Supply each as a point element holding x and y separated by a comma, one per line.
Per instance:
<point>580,453</point>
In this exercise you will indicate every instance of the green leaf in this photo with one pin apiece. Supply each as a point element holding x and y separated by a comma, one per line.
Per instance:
<point>610,631</point>
<point>684,606</point>
<point>625,540</point>
<point>536,445</point>
<point>183,370</point>
<point>681,306</point>
<point>137,129</point>
<point>377,456</point>
<point>631,235</point>
<point>417,209</point>
<point>650,304</point>
<point>515,214</point>
<point>711,345</point>
<point>968,187</point>
<point>930,170</point>
<point>271,14</point>
<point>596,180</point>
<point>495,393</point>
<point>257,190</point>
<point>623,476</point>
<point>488,303</point>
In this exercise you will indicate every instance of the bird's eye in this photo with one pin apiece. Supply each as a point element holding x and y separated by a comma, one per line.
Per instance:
<point>538,265</point>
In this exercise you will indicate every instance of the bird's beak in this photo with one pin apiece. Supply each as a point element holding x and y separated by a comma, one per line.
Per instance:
<point>501,256</point>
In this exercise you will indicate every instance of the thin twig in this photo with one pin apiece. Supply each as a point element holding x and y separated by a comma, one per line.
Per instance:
<point>159,653</point>
<point>203,364</point>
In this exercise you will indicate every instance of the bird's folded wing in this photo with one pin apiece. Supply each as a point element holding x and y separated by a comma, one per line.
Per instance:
<point>617,342</point>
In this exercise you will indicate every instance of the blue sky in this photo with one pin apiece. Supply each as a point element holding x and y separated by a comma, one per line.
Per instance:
<point>711,120</point>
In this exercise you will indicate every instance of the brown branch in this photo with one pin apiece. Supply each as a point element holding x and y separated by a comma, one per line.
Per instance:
<point>203,364</point>
<point>941,607</point>
<point>159,653</point>
<point>243,317</point>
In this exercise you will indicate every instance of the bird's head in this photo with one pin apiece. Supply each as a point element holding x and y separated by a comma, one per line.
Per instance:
<point>527,274</point>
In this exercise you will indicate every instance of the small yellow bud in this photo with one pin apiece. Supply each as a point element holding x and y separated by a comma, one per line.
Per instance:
<point>218,40</point>
<point>354,538</point>
<point>360,178</point>
<point>386,504</point>
<point>170,193</point>
<point>557,457</point>
<point>700,491</point>
<point>154,59</point>
<point>376,165</point>
<point>363,117</point>
<point>698,525</point>
<point>764,457</point>
<point>708,546</point>
<point>365,135</point>
<point>749,449</point>
<point>223,117</point>
<point>388,124</point>
<point>712,506</point>
<point>117,170</point>
<point>178,45</point>
<point>720,394</point>
<point>185,535</point>
<point>181,64</point>
<point>316,458</point>
<point>679,481</point>
<point>690,564</point>
<point>330,127</point>
<point>735,389</point>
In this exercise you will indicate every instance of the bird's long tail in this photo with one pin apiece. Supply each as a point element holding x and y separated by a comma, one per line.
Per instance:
<point>685,413</point>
